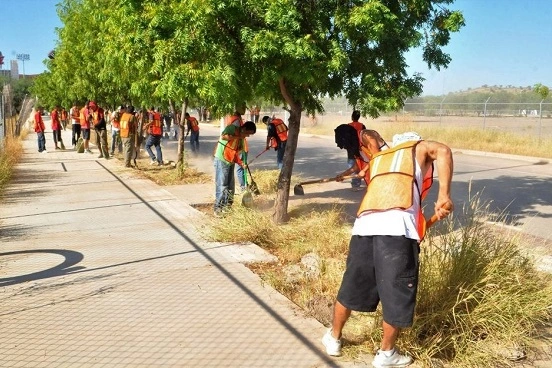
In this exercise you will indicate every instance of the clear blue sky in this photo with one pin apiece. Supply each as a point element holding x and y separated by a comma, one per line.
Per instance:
<point>504,42</point>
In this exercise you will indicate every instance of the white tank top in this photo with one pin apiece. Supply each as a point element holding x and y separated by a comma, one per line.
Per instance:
<point>393,222</point>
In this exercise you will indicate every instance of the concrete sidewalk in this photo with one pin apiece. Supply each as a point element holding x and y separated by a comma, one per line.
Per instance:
<point>100,268</point>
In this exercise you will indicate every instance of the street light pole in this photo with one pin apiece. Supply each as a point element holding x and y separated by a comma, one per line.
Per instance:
<point>23,57</point>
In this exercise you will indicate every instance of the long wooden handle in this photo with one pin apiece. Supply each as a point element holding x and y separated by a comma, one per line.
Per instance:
<point>258,156</point>
<point>327,180</point>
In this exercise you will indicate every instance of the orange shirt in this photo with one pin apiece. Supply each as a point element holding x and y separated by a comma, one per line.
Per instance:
<point>55,120</point>
<point>39,123</point>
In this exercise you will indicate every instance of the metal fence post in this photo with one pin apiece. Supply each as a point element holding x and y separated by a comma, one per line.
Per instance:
<point>2,121</point>
<point>540,119</point>
<point>441,110</point>
<point>485,114</point>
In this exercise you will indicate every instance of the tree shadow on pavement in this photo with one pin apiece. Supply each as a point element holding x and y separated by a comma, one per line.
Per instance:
<point>70,259</point>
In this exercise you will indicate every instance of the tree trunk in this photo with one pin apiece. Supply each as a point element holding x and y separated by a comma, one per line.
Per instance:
<point>181,123</point>
<point>280,214</point>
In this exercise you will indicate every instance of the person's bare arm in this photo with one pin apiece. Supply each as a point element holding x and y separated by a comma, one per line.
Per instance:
<point>428,152</point>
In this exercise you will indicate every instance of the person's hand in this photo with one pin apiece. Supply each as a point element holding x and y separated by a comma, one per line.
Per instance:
<point>361,174</point>
<point>267,148</point>
<point>443,207</point>
<point>339,177</point>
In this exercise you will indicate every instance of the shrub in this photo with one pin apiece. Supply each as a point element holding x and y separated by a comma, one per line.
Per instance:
<point>10,154</point>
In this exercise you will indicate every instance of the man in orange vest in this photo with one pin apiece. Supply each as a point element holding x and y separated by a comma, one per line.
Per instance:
<point>155,131</point>
<point>115,130</point>
<point>382,265</point>
<point>97,115</point>
<point>355,116</point>
<point>193,127</point>
<point>276,137</point>
<point>75,124</point>
<point>64,118</point>
<point>128,131</point>
<point>85,119</point>
<point>56,128</point>
<point>347,137</point>
<point>228,152</point>
<point>237,120</point>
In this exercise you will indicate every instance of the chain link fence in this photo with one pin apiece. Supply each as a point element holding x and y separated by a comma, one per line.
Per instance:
<point>531,119</point>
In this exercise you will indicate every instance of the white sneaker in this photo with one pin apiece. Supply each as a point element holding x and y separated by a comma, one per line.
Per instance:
<point>394,360</point>
<point>154,163</point>
<point>333,345</point>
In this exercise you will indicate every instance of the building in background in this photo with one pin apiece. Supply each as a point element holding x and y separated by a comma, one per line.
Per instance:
<point>14,67</point>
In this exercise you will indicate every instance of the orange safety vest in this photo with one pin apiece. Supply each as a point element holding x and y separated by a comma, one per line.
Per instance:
<point>63,114</point>
<point>358,127</point>
<point>75,113</point>
<point>194,123</point>
<point>55,120</point>
<point>156,128</point>
<point>281,129</point>
<point>83,118</point>
<point>96,116</point>
<point>229,119</point>
<point>115,121</point>
<point>361,163</point>
<point>232,149</point>
<point>392,182</point>
<point>127,125</point>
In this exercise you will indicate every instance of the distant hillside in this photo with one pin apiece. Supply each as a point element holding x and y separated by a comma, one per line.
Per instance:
<point>493,89</point>
<point>503,94</point>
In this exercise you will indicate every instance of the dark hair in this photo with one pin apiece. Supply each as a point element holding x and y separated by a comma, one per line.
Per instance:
<point>187,115</point>
<point>250,126</point>
<point>346,137</point>
<point>265,119</point>
<point>355,115</point>
<point>130,108</point>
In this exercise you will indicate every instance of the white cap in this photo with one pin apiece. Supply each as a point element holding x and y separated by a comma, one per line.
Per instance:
<point>405,137</point>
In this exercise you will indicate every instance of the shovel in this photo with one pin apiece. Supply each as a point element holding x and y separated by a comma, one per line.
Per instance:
<point>253,186</point>
<point>247,198</point>
<point>298,188</point>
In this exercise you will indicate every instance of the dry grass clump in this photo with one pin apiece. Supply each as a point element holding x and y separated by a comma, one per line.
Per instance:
<point>169,174</point>
<point>266,180</point>
<point>10,154</point>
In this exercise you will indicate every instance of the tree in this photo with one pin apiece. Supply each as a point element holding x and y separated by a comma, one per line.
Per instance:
<point>296,52</point>
<point>542,90</point>
<point>21,89</point>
